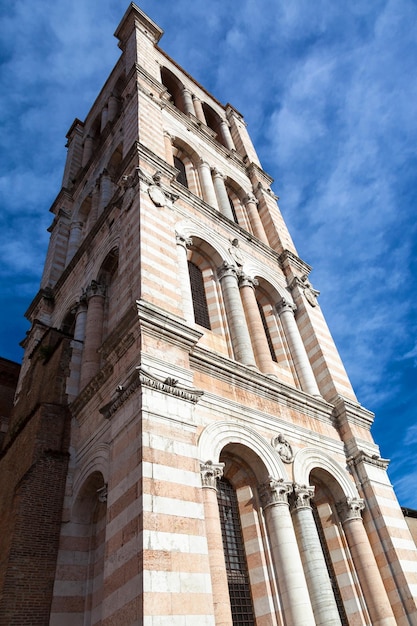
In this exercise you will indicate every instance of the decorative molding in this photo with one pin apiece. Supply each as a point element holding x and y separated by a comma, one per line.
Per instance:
<point>283,448</point>
<point>274,492</point>
<point>210,473</point>
<point>350,509</point>
<point>141,378</point>
<point>369,459</point>
<point>301,497</point>
<point>102,494</point>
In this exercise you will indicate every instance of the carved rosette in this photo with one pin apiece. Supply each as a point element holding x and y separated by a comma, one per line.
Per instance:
<point>210,473</point>
<point>351,509</point>
<point>274,492</point>
<point>301,498</point>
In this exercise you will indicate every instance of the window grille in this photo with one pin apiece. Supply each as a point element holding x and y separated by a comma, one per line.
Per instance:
<point>234,553</point>
<point>181,176</point>
<point>266,329</point>
<point>198,292</point>
<point>332,575</point>
<point>232,208</point>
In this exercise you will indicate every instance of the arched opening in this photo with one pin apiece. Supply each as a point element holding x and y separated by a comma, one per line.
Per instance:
<point>214,121</point>
<point>198,293</point>
<point>174,88</point>
<point>182,174</point>
<point>107,278</point>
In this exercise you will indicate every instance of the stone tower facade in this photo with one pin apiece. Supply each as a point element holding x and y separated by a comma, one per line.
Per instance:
<point>186,448</point>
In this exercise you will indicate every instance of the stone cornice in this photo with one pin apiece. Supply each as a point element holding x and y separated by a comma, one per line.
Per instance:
<point>352,412</point>
<point>294,262</point>
<point>247,378</point>
<point>364,458</point>
<point>142,378</point>
<point>157,322</point>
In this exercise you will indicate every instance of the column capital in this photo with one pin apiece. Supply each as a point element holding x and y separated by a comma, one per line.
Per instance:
<point>302,496</point>
<point>350,509</point>
<point>203,163</point>
<point>217,173</point>
<point>247,281</point>
<point>283,306</point>
<point>95,289</point>
<point>250,198</point>
<point>274,492</point>
<point>210,473</point>
<point>182,240</point>
<point>227,270</point>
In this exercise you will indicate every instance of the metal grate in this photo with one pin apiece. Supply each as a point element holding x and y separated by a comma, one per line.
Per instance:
<point>181,176</point>
<point>330,569</point>
<point>201,314</point>
<point>232,208</point>
<point>234,553</point>
<point>268,336</point>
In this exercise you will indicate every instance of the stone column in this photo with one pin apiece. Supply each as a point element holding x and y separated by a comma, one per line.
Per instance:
<point>88,150</point>
<point>113,107</point>
<point>187,101</point>
<point>221,194</point>
<point>184,277</point>
<point>366,568</point>
<point>93,332</point>
<point>288,567</point>
<point>168,149</point>
<point>297,349</point>
<point>315,569</point>
<point>95,202</point>
<point>104,118</point>
<point>224,131</point>
<point>74,240</point>
<point>199,111</point>
<point>210,472</point>
<point>257,334</point>
<point>73,386</point>
<point>251,204</point>
<point>239,334</point>
<point>106,191</point>
<point>207,184</point>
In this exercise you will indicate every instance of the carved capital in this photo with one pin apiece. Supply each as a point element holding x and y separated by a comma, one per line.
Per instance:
<point>95,289</point>
<point>210,473</point>
<point>274,492</point>
<point>102,494</point>
<point>226,270</point>
<point>284,306</point>
<point>247,281</point>
<point>250,198</point>
<point>350,509</point>
<point>301,498</point>
<point>217,174</point>
<point>183,241</point>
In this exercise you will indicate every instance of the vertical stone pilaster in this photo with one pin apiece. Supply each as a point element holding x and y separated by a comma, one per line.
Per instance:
<point>93,332</point>
<point>251,203</point>
<point>106,191</point>
<point>221,193</point>
<point>239,333</point>
<point>77,345</point>
<point>366,568</point>
<point>314,564</point>
<point>286,558</point>
<point>168,149</point>
<point>297,349</point>
<point>210,473</point>
<point>88,150</point>
<point>207,184</point>
<point>256,329</point>
<point>184,277</point>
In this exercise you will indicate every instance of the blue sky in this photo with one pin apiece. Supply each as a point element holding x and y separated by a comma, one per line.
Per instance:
<point>329,92</point>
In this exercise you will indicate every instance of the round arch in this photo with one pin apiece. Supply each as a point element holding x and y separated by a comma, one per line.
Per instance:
<point>309,459</point>
<point>97,460</point>
<point>218,435</point>
<point>264,274</point>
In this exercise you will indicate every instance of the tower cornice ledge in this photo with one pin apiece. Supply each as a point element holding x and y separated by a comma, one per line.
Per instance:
<point>290,261</point>
<point>352,412</point>
<point>161,324</point>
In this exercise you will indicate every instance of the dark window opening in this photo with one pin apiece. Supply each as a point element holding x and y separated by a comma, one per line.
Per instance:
<point>181,176</point>
<point>268,336</point>
<point>234,553</point>
<point>232,207</point>
<point>201,314</point>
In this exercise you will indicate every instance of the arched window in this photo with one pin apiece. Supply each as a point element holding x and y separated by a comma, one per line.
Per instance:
<point>234,554</point>
<point>232,208</point>
<point>181,176</point>
<point>267,333</point>
<point>201,314</point>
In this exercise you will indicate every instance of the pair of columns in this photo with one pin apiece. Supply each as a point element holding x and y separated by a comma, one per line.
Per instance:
<point>193,105</point>
<point>249,341</point>
<point>88,334</point>
<point>305,588</point>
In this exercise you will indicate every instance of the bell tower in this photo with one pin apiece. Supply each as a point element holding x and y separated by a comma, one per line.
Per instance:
<point>183,419</point>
